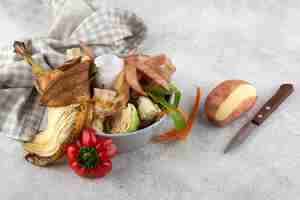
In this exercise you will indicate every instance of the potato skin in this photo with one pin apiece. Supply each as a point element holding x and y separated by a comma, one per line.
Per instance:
<point>219,94</point>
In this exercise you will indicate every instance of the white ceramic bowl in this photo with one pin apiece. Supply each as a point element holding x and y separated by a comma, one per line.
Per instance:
<point>131,141</point>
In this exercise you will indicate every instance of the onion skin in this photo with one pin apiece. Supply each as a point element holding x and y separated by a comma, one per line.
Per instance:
<point>83,118</point>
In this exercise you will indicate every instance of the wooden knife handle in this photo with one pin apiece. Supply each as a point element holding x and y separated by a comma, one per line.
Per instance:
<point>282,93</point>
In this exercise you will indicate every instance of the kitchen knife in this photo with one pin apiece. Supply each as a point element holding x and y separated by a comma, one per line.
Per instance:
<point>282,93</point>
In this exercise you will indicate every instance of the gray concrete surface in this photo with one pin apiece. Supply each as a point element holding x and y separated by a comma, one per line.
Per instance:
<point>209,41</point>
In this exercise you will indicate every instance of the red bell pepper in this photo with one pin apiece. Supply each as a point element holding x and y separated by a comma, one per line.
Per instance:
<point>91,156</point>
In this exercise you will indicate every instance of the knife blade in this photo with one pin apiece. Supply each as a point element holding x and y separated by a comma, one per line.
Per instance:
<point>268,108</point>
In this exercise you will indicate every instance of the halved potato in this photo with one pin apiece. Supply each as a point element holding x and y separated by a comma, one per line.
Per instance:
<point>228,101</point>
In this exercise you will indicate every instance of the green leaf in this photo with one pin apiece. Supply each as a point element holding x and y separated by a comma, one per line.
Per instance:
<point>162,101</point>
<point>175,115</point>
<point>178,120</point>
<point>93,70</point>
<point>93,76</point>
<point>177,95</point>
<point>158,90</point>
<point>106,127</point>
<point>173,90</point>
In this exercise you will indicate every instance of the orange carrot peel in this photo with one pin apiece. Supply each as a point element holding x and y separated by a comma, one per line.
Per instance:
<point>174,135</point>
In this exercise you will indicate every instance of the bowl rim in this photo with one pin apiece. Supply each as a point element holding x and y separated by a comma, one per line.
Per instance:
<point>140,131</point>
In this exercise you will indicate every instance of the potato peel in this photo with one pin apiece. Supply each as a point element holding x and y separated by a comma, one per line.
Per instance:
<point>132,79</point>
<point>151,68</point>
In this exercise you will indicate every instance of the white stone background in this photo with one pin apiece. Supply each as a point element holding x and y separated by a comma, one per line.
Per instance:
<point>210,41</point>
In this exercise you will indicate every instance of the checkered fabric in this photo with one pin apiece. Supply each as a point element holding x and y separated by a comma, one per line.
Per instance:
<point>105,30</point>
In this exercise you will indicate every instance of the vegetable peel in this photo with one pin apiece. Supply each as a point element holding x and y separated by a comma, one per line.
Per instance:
<point>132,79</point>
<point>174,135</point>
<point>175,114</point>
<point>49,146</point>
<point>60,91</point>
<point>148,66</point>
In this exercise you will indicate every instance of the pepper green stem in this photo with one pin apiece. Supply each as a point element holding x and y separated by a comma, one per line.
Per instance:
<point>88,157</point>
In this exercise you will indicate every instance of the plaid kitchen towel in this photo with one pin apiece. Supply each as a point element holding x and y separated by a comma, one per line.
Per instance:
<point>105,30</point>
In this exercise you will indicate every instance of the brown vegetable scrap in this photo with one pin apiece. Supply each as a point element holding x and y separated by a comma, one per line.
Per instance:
<point>43,82</point>
<point>104,102</point>
<point>109,102</point>
<point>158,69</point>
<point>51,75</point>
<point>69,64</point>
<point>132,79</point>
<point>87,51</point>
<point>122,87</point>
<point>72,87</point>
<point>162,64</point>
